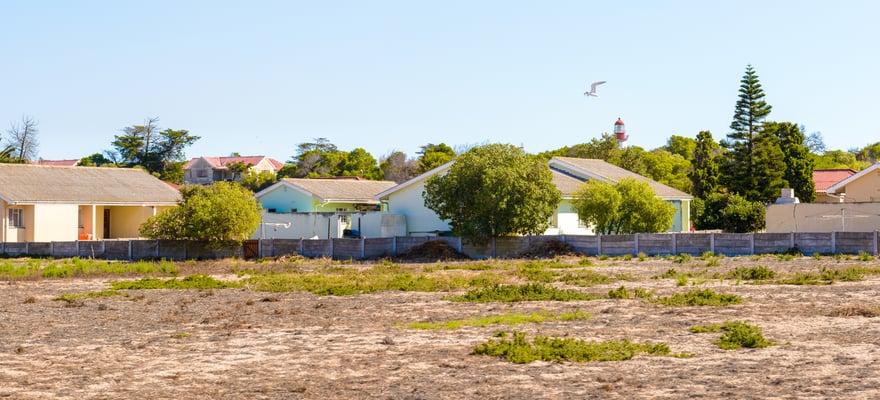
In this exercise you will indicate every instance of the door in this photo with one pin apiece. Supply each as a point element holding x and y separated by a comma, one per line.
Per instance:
<point>106,223</point>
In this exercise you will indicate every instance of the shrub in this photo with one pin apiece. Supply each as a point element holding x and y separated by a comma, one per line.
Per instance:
<point>751,273</point>
<point>704,297</point>
<point>514,293</point>
<point>519,350</point>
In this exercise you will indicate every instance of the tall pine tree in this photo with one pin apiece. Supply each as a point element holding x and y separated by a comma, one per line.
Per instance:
<point>798,160</point>
<point>740,171</point>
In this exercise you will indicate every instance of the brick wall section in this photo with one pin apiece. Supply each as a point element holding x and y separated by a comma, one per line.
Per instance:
<point>116,250</point>
<point>771,242</point>
<point>378,247</point>
<point>657,243</point>
<point>172,250</point>
<point>734,244</point>
<point>317,248</point>
<point>345,249</point>
<point>587,245</point>
<point>617,245</point>
<point>854,242</point>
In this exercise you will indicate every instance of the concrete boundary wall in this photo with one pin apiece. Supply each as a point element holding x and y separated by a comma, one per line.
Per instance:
<point>730,244</point>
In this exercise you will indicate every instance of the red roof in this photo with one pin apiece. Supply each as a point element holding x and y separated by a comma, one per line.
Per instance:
<point>56,163</point>
<point>824,178</point>
<point>222,162</point>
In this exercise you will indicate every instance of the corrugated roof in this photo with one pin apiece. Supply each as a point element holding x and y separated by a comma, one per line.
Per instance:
<point>599,169</point>
<point>349,190</point>
<point>22,183</point>
<point>824,178</point>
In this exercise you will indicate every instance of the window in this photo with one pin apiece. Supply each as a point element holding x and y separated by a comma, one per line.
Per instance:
<point>202,173</point>
<point>16,218</point>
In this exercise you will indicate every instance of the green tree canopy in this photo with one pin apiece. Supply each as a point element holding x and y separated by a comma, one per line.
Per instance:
<point>159,153</point>
<point>797,158</point>
<point>257,181</point>
<point>433,155</point>
<point>704,174</point>
<point>629,206</point>
<point>728,212</point>
<point>221,212</point>
<point>681,145</point>
<point>494,190</point>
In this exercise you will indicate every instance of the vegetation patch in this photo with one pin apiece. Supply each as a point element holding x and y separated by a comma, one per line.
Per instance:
<point>704,297</point>
<point>736,334</point>
<point>73,297</point>
<point>751,273</point>
<point>77,267</point>
<point>190,282</point>
<point>624,293</point>
<point>519,350</point>
<point>585,278</point>
<point>506,319</point>
<point>514,293</point>
<point>339,281</point>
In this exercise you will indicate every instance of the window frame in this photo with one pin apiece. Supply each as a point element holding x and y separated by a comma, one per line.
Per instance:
<point>16,218</point>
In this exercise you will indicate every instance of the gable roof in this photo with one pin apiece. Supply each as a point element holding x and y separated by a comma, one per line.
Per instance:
<point>421,178</point>
<point>846,181</point>
<point>26,184</point>
<point>824,178</point>
<point>341,190</point>
<point>223,162</point>
<point>587,168</point>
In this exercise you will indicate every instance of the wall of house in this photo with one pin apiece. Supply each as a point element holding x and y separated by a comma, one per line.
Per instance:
<point>25,234</point>
<point>126,221</point>
<point>420,220</point>
<point>191,176</point>
<point>567,221</point>
<point>864,189</point>
<point>681,221</point>
<point>284,199</point>
<point>55,222</point>
<point>817,217</point>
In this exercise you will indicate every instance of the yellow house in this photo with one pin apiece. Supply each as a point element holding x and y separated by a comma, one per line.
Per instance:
<point>861,187</point>
<point>50,203</point>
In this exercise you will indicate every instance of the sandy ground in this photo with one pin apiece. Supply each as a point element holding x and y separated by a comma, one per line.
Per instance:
<point>234,343</point>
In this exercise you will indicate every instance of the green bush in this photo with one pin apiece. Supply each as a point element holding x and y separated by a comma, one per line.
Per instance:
<point>519,350</point>
<point>514,293</point>
<point>751,273</point>
<point>704,297</point>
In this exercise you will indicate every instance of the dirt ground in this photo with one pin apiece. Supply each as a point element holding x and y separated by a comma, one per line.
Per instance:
<point>235,343</point>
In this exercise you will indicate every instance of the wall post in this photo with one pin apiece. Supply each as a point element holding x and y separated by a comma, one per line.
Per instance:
<point>636,242</point>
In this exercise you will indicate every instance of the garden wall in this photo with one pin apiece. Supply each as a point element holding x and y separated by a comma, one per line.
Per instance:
<point>731,244</point>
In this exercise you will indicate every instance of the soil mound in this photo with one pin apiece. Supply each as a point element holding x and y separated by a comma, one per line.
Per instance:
<point>432,250</point>
<point>548,249</point>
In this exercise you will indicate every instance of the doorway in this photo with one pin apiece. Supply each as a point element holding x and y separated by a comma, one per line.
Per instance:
<point>106,223</point>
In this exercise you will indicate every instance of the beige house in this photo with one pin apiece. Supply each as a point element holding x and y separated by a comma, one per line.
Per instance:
<point>48,203</point>
<point>861,187</point>
<point>204,170</point>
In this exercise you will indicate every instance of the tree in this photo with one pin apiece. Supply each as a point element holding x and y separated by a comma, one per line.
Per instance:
<point>159,153</point>
<point>836,159</point>
<point>358,162</point>
<point>23,139</point>
<point>434,155</point>
<point>257,181</point>
<point>221,212</point>
<point>494,190</point>
<point>629,206</point>
<point>797,158</point>
<point>396,167</point>
<point>94,160</point>
<point>683,146</point>
<point>667,168</point>
<point>728,212</point>
<point>704,175</point>
<point>748,117</point>
<point>814,141</point>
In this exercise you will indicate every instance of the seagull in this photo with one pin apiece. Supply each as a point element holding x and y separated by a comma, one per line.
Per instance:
<point>592,91</point>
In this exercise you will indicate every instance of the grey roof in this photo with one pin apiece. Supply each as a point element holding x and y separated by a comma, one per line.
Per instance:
<point>341,190</point>
<point>22,184</point>
<point>566,184</point>
<point>586,168</point>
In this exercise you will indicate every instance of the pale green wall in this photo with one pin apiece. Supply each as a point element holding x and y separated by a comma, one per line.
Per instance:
<point>284,199</point>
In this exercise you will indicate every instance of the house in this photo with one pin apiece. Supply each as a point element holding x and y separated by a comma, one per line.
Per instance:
<point>48,203</point>
<point>568,176</point>
<point>326,207</point>
<point>825,178</point>
<point>204,170</point>
<point>861,187</point>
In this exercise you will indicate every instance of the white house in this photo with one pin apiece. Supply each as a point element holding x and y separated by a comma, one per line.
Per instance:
<point>568,175</point>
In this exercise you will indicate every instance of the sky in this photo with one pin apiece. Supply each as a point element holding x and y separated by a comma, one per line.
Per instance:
<point>260,77</point>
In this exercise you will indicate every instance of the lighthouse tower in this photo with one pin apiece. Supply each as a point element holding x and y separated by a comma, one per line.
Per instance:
<point>620,133</point>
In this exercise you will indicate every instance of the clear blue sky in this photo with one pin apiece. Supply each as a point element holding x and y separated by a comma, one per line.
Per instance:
<point>260,77</point>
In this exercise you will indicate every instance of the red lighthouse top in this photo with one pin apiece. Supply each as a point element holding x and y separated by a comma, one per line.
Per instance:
<point>620,130</point>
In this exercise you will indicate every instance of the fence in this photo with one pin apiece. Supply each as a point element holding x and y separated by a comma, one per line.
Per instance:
<point>730,244</point>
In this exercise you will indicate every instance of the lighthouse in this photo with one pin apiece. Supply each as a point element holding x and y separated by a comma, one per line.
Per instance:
<point>620,133</point>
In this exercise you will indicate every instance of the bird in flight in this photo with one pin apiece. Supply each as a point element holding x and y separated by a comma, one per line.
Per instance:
<point>592,91</point>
